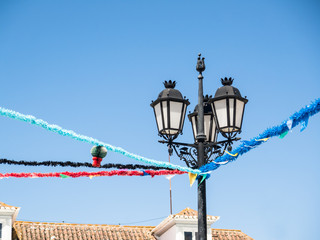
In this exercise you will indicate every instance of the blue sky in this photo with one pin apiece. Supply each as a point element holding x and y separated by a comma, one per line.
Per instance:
<point>95,66</point>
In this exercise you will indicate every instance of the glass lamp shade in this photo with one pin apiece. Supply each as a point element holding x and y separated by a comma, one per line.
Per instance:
<point>228,107</point>
<point>170,110</point>
<point>210,128</point>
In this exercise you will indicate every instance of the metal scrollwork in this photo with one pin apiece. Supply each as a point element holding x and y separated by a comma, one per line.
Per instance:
<point>189,152</point>
<point>188,155</point>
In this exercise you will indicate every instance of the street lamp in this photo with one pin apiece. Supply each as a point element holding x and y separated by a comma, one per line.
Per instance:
<point>210,127</point>
<point>221,114</point>
<point>170,110</point>
<point>228,106</point>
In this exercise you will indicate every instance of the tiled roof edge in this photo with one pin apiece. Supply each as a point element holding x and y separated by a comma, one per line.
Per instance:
<point>219,229</point>
<point>81,224</point>
<point>6,206</point>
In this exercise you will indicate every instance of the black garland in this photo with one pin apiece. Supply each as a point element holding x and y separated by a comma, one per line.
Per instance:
<point>78,164</point>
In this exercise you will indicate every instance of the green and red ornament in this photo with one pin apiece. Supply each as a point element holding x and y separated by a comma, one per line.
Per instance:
<point>98,152</point>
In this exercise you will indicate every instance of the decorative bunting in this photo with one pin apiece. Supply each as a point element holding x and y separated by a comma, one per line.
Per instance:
<point>289,125</point>
<point>294,120</point>
<point>69,133</point>
<point>300,117</point>
<point>169,177</point>
<point>62,175</point>
<point>192,178</point>
<point>204,176</point>
<point>304,124</point>
<point>221,163</point>
<point>262,139</point>
<point>233,155</point>
<point>282,135</point>
<point>79,164</point>
<point>145,173</point>
<point>91,174</point>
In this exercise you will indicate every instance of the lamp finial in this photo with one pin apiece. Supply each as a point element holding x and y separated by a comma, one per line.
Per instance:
<point>200,64</point>
<point>227,81</point>
<point>169,84</point>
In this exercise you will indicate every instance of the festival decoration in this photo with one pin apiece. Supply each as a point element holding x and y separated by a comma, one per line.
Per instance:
<point>204,176</point>
<point>192,178</point>
<point>282,135</point>
<point>69,133</point>
<point>78,164</point>
<point>152,173</point>
<point>233,155</point>
<point>98,152</point>
<point>300,117</point>
<point>169,177</point>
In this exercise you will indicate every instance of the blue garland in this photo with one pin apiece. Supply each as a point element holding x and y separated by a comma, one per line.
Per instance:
<point>69,133</point>
<point>301,117</point>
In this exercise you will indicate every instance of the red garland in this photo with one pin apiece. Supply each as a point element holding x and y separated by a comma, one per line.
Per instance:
<point>152,173</point>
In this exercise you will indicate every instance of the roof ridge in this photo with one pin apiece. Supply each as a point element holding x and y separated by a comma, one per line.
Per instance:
<point>189,212</point>
<point>83,224</point>
<point>2,204</point>
<point>219,229</point>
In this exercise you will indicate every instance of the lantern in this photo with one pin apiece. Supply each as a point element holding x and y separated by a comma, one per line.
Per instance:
<point>170,110</point>
<point>210,128</point>
<point>228,107</point>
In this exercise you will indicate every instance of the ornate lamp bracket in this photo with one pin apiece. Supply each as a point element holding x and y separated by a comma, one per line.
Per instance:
<point>189,152</point>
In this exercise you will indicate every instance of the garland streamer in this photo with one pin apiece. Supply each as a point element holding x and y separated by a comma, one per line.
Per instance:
<point>69,133</point>
<point>300,117</point>
<point>77,164</point>
<point>91,174</point>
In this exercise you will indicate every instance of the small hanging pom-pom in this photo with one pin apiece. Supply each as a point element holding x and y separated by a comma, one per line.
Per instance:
<point>98,152</point>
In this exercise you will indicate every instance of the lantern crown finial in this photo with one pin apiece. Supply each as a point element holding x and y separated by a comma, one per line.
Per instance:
<point>169,84</point>
<point>206,98</point>
<point>227,81</point>
<point>200,64</point>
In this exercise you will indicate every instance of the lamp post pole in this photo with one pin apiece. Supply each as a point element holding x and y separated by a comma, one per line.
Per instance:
<point>202,204</point>
<point>221,114</point>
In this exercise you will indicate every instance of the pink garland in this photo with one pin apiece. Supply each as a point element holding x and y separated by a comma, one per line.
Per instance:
<point>152,173</point>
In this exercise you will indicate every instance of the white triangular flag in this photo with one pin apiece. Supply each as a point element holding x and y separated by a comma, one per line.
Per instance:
<point>289,124</point>
<point>169,176</point>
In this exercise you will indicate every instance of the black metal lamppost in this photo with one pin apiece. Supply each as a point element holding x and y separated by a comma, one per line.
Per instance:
<point>222,114</point>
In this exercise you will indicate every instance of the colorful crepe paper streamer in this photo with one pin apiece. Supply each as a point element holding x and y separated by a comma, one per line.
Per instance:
<point>152,173</point>
<point>78,164</point>
<point>69,133</point>
<point>300,117</point>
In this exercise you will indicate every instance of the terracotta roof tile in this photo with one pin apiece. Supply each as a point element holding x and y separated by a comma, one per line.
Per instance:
<point>65,231</point>
<point>190,213</point>
<point>6,206</point>
<point>226,234</point>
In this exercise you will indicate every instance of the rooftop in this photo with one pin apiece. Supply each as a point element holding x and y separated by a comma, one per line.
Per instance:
<point>65,231</point>
<point>188,213</point>
<point>6,206</point>
<point>25,230</point>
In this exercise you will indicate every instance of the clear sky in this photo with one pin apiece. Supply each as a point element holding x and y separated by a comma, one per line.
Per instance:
<point>94,67</point>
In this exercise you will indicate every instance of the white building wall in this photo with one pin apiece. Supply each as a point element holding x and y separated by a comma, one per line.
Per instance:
<point>170,234</point>
<point>6,221</point>
<point>176,232</point>
<point>190,227</point>
<point>7,217</point>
